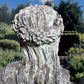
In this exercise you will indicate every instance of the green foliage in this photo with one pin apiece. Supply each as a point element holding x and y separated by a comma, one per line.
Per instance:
<point>4,14</point>
<point>76,62</point>
<point>72,15</point>
<point>70,33</point>
<point>10,44</point>
<point>71,50</point>
<point>78,76</point>
<point>9,49</point>
<point>11,36</point>
<point>28,4</point>
<point>55,7</point>
<point>82,27</point>
<point>75,59</point>
<point>6,32</point>
<point>4,28</point>
<point>81,36</point>
<point>82,40</point>
<point>14,11</point>
<point>7,56</point>
<point>49,3</point>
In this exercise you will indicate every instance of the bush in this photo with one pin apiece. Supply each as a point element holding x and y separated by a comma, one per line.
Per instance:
<point>78,76</point>
<point>81,36</point>
<point>10,44</point>
<point>8,56</point>
<point>77,63</point>
<point>9,48</point>
<point>4,28</point>
<point>71,50</point>
<point>11,36</point>
<point>75,59</point>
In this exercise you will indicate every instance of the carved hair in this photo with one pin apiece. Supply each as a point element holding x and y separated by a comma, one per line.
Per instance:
<point>36,25</point>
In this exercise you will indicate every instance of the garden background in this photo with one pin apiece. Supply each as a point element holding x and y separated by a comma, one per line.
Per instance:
<point>71,48</point>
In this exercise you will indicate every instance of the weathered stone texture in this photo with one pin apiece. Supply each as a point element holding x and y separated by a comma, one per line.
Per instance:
<point>39,29</point>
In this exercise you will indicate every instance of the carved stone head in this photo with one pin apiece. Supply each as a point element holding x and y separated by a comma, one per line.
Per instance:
<point>37,25</point>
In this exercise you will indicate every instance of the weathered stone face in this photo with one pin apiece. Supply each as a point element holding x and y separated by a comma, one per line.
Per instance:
<point>39,29</point>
